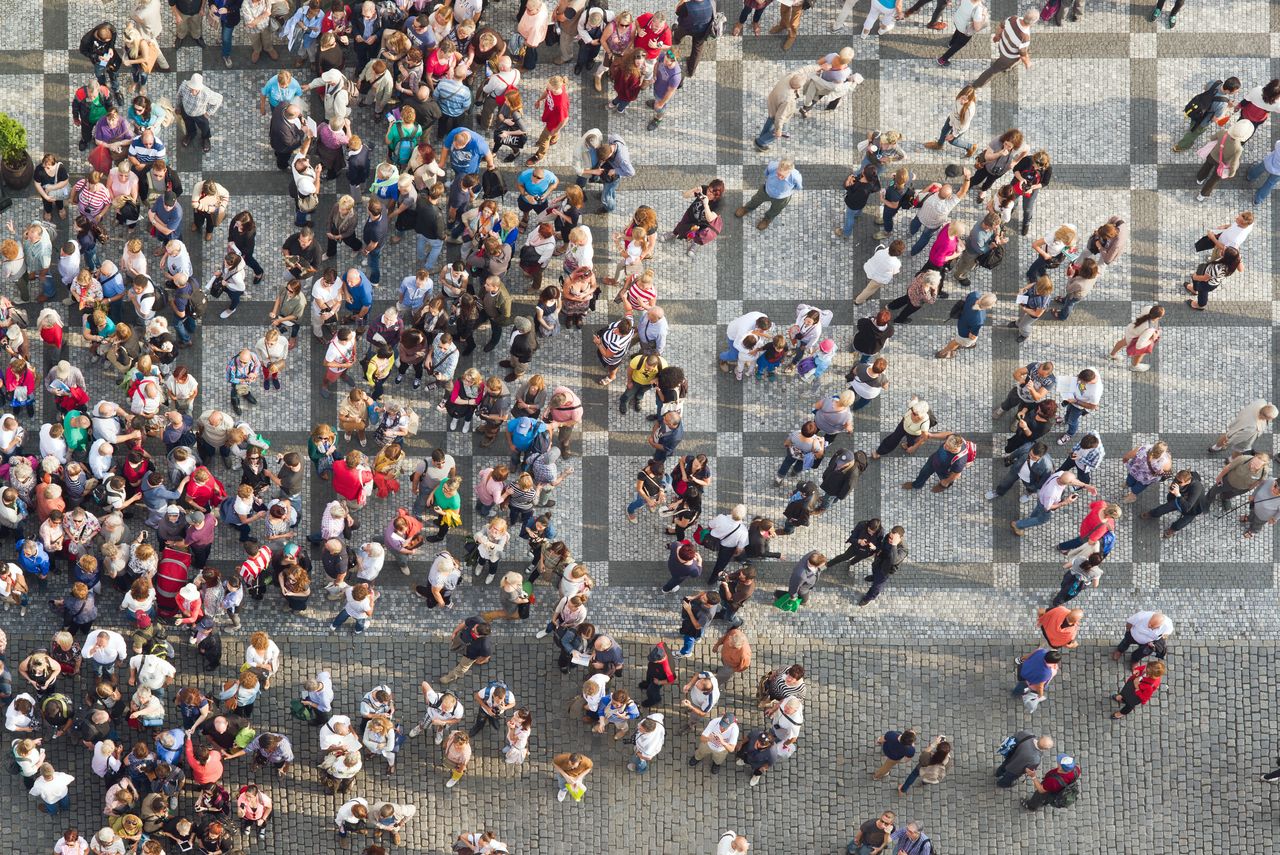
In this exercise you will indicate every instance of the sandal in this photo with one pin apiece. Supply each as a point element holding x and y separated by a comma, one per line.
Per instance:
<point>1117,714</point>
<point>605,381</point>
<point>941,354</point>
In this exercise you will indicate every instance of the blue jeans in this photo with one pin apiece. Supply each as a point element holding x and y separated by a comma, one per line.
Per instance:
<point>789,464</point>
<point>911,778</point>
<point>425,258</point>
<point>767,136</point>
<point>1039,516</point>
<point>1255,172</point>
<point>850,218</point>
<point>609,195</point>
<point>375,265</point>
<point>636,504</point>
<point>1072,416</point>
<point>642,765</point>
<point>63,803</point>
<point>1134,485</point>
<point>227,33</point>
<point>926,235</point>
<point>1064,310</point>
<point>482,510</point>
<point>343,617</point>
<point>957,141</point>
<point>185,327</point>
<point>926,472</point>
<point>686,649</point>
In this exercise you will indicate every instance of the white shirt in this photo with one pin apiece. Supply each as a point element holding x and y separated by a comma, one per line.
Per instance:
<point>62,847</point>
<point>115,651</point>
<point>725,846</point>
<point>435,713</point>
<point>730,531</point>
<point>786,726</point>
<point>14,720</point>
<point>321,290</point>
<point>935,211</point>
<point>345,815</point>
<point>721,740</point>
<point>705,701</point>
<point>1092,392</point>
<point>1144,634</point>
<point>52,447</point>
<point>152,670</point>
<point>882,266</point>
<point>1235,234</point>
<point>359,609</point>
<point>1052,489</point>
<point>304,181</point>
<point>53,790</point>
<point>100,461</point>
<point>649,744</point>
<point>254,659</point>
<point>739,327</point>
<point>444,574</point>
<point>369,566</point>
<point>600,681</point>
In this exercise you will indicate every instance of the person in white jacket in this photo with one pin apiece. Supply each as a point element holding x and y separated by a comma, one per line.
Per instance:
<point>971,17</point>
<point>880,268</point>
<point>651,734</point>
<point>731,842</point>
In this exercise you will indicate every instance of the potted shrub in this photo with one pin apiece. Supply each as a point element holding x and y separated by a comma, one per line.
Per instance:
<point>16,166</point>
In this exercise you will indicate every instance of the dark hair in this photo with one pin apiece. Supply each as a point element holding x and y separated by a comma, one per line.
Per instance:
<point>1231,256</point>
<point>1231,84</point>
<point>1271,92</point>
<point>1053,657</point>
<point>1039,449</point>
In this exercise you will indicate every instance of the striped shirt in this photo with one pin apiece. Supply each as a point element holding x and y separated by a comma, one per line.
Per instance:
<point>521,498</point>
<point>777,687</point>
<point>1015,38</point>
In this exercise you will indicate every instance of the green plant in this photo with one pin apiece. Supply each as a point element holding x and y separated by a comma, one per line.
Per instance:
<point>13,140</point>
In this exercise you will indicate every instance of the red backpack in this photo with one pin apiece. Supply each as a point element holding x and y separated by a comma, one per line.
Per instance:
<point>970,452</point>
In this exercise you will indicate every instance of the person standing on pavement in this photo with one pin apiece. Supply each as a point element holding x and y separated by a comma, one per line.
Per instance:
<point>1022,754</point>
<point>935,211</point>
<point>873,836</point>
<point>1147,465</point>
<point>1034,673</point>
<point>789,14</point>
<point>890,554</point>
<point>1054,782</point>
<point>1050,498</point>
<point>1059,626</point>
<point>1032,470</point>
<point>1264,507</point>
<point>1187,496</point>
<point>1145,632</point>
<point>1212,108</point>
<point>1223,160</point>
<point>470,640</point>
<point>196,103</point>
<point>1253,420</point>
<point>948,462</point>
<point>783,103</point>
<point>896,746</point>
<point>717,740</point>
<point>693,19</point>
<point>1240,475</point>
<point>971,17</point>
<point>1139,688</point>
<point>781,181</point>
<point>1080,400</point>
<point>1013,44</point>
<point>1270,164</point>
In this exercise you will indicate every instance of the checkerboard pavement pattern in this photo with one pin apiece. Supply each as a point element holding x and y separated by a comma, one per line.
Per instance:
<point>1104,97</point>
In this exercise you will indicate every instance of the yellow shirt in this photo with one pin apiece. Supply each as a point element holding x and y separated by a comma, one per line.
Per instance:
<point>643,375</point>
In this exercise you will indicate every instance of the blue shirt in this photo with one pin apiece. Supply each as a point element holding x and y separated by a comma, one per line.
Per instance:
<point>171,218</point>
<point>893,747</point>
<point>112,286</point>
<point>277,95</point>
<point>37,564</point>
<point>1034,669</point>
<point>781,188</point>
<point>971,319</point>
<point>524,430</point>
<point>1271,162</point>
<point>947,461</point>
<point>452,96</point>
<point>696,14</point>
<point>361,294</point>
<point>466,160</point>
<point>536,188</point>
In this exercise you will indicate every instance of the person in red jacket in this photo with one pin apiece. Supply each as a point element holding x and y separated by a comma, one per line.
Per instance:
<point>205,763</point>
<point>1056,780</point>
<point>352,478</point>
<point>1102,518</point>
<point>555,115</point>
<point>1141,686</point>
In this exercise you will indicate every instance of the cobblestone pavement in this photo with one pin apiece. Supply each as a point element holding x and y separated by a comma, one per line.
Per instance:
<point>1104,96</point>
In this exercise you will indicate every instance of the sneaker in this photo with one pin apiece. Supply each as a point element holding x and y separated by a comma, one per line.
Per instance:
<point>992,495</point>
<point>1064,439</point>
<point>417,384</point>
<point>415,731</point>
<point>542,633</point>
<point>715,768</point>
<point>1142,367</point>
<point>226,60</point>
<point>1026,498</point>
<point>226,313</point>
<point>399,379</point>
<point>740,762</point>
<point>439,737</point>
<point>1173,19</point>
<point>488,579</point>
<point>1155,14</point>
<point>665,591</point>
<point>755,779</point>
<point>449,783</point>
<point>560,795</point>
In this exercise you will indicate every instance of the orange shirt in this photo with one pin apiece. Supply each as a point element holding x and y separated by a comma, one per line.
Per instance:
<point>1051,624</point>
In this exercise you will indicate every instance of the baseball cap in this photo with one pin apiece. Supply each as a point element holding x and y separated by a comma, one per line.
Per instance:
<point>1066,761</point>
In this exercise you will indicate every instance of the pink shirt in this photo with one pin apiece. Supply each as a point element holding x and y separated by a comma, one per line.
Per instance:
<point>943,246</point>
<point>488,490</point>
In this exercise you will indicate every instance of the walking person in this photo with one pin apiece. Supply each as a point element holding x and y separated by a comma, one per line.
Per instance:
<point>1222,158</point>
<point>1140,338</point>
<point>1250,423</point>
<point>971,17</point>
<point>1139,688</point>
<point>957,123</point>
<point>1270,164</point>
<point>1145,632</point>
<point>1146,464</point>
<point>932,766</point>
<point>781,181</point>
<point>1051,496</point>
<point>1211,108</point>
<point>896,746</point>
<point>1023,753</point>
<point>1013,45</point>
<point>1209,276</point>
<point>970,315</point>
<point>891,552</point>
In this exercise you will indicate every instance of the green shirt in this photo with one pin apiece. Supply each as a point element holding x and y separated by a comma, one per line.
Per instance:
<point>446,503</point>
<point>77,438</point>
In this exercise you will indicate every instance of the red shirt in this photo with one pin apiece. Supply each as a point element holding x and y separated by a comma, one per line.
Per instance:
<point>1093,527</point>
<point>205,495</point>
<point>349,483</point>
<point>652,40</point>
<point>1056,780</point>
<point>555,109</point>
<point>1144,687</point>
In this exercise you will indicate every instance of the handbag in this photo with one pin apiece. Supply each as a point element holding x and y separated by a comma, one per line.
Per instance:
<point>100,159</point>
<point>787,602</point>
<point>216,286</point>
<point>308,203</point>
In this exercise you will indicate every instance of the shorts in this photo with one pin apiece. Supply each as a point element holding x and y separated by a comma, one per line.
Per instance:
<point>965,341</point>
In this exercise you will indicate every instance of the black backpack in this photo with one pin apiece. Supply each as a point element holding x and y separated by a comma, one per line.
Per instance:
<point>957,309</point>
<point>1199,107</point>
<point>491,185</point>
<point>1066,797</point>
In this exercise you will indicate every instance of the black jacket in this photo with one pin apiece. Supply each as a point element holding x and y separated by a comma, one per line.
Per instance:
<point>1193,498</point>
<point>860,532</point>
<point>93,47</point>
<point>841,474</point>
<point>888,558</point>
<point>869,338</point>
<point>284,135</point>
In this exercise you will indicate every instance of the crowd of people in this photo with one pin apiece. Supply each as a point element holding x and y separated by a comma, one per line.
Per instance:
<point>113,503</point>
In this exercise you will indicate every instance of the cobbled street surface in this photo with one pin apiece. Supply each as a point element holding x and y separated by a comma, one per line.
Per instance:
<point>1104,96</point>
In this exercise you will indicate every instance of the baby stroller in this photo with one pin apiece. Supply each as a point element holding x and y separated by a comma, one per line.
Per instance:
<point>174,572</point>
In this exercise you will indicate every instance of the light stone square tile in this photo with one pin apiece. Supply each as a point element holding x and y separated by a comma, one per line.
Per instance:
<point>948,385</point>
<point>962,512</point>
<point>1005,575</point>
<point>55,62</point>
<point>286,410</point>
<point>770,263</point>
<point>1094,127</point>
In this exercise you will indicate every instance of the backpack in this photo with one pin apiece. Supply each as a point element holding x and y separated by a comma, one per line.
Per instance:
<point>1106,543</point>
<point>491,185</point>
<point>970,451</point>
<point>1009,745</point>
<point>715,29</point>
<point>1067,796</point>
<point>957,309</point>
<point>1199,107</point>
<point>197,303</point>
